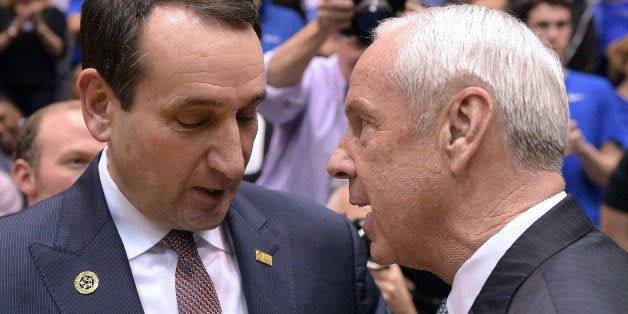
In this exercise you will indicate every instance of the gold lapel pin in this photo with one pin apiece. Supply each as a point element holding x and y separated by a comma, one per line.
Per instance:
<point>86,282</point>
<point>263,257</point>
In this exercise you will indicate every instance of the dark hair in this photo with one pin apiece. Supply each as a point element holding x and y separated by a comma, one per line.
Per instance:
<point>6,100</point>
<point>26,147</point>
<point>523,11</point>
<point>111,32</point>
<point>617,55</point>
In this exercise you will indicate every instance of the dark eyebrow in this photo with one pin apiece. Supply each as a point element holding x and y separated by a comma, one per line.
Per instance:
<point>191,101</point>
<point>258,98</point>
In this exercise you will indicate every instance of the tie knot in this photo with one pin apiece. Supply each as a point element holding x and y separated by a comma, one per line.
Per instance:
<point>181,242</point>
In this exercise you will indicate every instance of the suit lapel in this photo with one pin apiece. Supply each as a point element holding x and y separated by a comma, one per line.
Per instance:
<point>268,289</point>
<point>86,240</point>
<point>559,227</point>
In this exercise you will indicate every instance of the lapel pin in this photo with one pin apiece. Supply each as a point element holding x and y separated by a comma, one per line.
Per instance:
<point>263,257</point>
<point>86,282</point>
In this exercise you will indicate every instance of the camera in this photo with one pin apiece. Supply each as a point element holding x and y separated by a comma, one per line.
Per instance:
<point>368,13</point>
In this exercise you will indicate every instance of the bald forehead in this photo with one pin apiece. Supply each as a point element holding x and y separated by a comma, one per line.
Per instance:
<point>61,118</point>
<point>379,58</point>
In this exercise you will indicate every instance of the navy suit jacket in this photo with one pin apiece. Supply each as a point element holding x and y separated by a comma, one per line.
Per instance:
<point>318,261</point>
<point>561,264</point>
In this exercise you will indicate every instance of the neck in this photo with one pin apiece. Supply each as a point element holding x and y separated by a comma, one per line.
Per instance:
<point>480,216</point>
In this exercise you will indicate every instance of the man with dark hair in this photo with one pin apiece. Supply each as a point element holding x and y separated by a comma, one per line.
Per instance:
<point>160,222</point>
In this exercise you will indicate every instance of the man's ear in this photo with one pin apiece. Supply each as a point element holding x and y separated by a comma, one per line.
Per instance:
<point>468,118</point>
<point>24,177</point>
<point>96,98</point>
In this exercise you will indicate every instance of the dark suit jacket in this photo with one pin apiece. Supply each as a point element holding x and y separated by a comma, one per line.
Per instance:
<point>561,264</point>
<point>319,262</point>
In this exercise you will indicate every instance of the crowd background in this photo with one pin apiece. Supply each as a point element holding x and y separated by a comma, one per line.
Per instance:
<point>309,60</point>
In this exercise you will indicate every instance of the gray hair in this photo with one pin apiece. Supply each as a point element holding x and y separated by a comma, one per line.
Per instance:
<point>445,49</point>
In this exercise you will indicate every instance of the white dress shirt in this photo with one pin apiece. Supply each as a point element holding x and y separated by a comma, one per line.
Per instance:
<point>153,263</point>
<point>472,275</point>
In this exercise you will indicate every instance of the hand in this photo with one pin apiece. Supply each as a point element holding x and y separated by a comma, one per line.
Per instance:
<point>37,7</point>
<point>575,139</point>
<point>40,24</point>
<point>392,283</point>
<point>28,11</point>
<point>22,14</point>
<point>335,15</point>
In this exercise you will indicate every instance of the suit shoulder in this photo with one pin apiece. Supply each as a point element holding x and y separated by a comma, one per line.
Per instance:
<point>588,276</point>
<point>34,223</point>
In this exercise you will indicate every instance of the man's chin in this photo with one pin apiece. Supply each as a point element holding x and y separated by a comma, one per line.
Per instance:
<point>381,257</point>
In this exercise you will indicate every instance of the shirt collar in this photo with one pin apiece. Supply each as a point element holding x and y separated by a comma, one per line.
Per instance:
<point>137,232</point>
<point>474,272</point>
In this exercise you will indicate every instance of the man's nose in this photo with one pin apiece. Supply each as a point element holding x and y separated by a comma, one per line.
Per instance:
<point>341,165</point>
<point>227,156</point>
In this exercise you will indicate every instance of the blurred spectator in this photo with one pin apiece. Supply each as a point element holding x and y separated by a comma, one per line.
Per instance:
<point>10,197</point>
<point>279,23</point>
<point>614,211</point>
<point>306,96</point>
<point>32,39</point>
<point>595,131</point>
<point>73,20</point>
<point>405,290</point>
<point>296,5</point>
<point>62,5</point>
<point>617,54</point>
<point>434,3</point>
<point>611,21</point>
<point>53,150</point>
<point>10,118</point>
<point>582,53</point>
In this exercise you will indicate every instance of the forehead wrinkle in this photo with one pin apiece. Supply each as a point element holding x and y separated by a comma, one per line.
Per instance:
<point>221,77</point>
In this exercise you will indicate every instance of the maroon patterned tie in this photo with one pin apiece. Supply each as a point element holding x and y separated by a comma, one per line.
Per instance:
<point>195,290</point>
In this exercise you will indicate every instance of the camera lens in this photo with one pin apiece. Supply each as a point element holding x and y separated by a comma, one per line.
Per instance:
<point>368,14</point>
